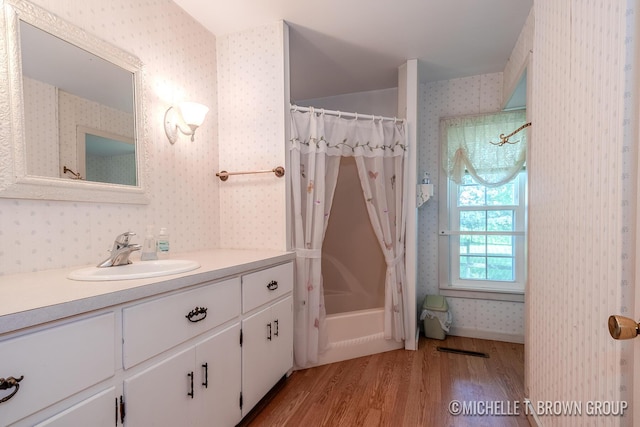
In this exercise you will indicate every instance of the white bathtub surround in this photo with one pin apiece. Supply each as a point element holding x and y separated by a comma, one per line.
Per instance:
<point>318,141</point>
<point>356,334</point>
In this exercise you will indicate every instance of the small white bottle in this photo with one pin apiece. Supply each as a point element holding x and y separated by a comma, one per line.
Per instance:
<point>162,244</point>
<point>149,246</point>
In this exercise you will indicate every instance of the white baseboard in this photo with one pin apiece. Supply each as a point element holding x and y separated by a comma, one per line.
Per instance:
<point>486,335</point>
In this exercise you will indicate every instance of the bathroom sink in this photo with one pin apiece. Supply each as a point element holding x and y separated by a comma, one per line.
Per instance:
<point>136,270</point>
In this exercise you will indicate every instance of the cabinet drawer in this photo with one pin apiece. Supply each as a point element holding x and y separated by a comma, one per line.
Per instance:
<point>266,285</point>
<point>97,411</point>
<point>155,326</point>
<point>56,363</point>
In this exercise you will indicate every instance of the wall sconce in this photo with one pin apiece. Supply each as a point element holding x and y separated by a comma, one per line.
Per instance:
<point>190,114</point>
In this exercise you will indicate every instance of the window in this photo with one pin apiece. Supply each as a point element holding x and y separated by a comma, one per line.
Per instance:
<point>486,249</point>
<point>483,218</point>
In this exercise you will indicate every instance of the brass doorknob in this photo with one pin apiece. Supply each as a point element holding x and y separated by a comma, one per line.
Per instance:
<point>623,328</point>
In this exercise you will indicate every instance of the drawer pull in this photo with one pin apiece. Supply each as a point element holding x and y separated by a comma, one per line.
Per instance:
<point>198,311</point>
<point>190,375</point>
<point>273,285</point>
<point>206,375</point>
<point>277,328</point>
<point>6,384</point>
<point>269,336</point>
<point>122,411</point>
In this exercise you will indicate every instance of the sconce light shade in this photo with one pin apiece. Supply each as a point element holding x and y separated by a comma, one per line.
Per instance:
<point>193,113</point>
<point>190,114</point>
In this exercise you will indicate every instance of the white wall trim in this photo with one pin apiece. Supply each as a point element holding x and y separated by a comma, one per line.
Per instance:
<point>411,235</point>
<point>486,335</point>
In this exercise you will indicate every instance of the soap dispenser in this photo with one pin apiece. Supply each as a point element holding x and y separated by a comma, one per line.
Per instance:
<point>149,246</point>
<point>162,243</point>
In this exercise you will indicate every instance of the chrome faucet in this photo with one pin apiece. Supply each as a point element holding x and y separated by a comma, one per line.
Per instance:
<point>120,251</point>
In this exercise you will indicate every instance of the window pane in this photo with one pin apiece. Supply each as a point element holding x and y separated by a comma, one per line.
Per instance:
<point>471,195</point>
<point>499,268</point>
<point>500,245</point>
<point>473,220</point>
<point>499,220</point>
<point>506,194</point>
<point>473,244</point>
<point>473,267</point>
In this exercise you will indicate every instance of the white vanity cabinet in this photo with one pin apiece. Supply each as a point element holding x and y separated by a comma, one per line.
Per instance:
<point>57,362</point>
<point>99,410</point>
<point>200,354</point>
<point>152,327</point>
<point>190,386</point>
<point>267,326</point>
<point>199,386</point>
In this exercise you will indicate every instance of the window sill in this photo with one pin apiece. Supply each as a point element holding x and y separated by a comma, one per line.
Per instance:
<point>485,294</point>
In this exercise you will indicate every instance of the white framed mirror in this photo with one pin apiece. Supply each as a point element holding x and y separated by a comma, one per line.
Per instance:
<point>74,102</point>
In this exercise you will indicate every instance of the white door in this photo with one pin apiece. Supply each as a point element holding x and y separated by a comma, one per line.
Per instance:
<point>636,349</point>
<point>627,328</point>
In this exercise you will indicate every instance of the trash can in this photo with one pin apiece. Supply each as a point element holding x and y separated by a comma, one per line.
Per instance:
<point>436,316</point>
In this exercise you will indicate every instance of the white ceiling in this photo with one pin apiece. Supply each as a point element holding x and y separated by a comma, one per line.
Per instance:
<point>344,46</point>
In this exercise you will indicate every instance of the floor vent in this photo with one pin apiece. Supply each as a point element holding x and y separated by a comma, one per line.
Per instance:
<point>464,352</point>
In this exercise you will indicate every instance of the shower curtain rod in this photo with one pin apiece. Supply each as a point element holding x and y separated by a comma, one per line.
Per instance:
<point>343,114</point>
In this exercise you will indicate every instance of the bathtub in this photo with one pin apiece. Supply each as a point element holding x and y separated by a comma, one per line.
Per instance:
<point>356,334</point>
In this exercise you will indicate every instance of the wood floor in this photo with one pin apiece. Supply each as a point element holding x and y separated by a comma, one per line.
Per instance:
<point>402,388</point>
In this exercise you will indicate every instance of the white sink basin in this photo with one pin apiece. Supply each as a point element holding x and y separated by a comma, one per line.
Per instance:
<point>137,270</point>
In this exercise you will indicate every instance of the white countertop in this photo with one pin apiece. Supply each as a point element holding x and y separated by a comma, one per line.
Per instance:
<point>29,299</point>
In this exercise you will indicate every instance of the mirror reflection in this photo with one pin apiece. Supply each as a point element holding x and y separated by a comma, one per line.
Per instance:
<point>78,112</point>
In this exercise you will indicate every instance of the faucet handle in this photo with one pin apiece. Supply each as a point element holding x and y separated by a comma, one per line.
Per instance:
<point>123,239</point>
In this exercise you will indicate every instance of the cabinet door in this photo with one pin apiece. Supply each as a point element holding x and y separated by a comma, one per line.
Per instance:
<point>281,350</point>
<point>159,396</point>
<point>99,410</point>
<point>218,363</point>
<point>257,372</point>
<point>267,350</point>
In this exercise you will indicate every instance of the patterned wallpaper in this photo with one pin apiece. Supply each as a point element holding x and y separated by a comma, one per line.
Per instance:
<point>40,100</point>
<point>581,203</point>
<point>253,102</point>
<point>471,95</point>
<point>179,58</point>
